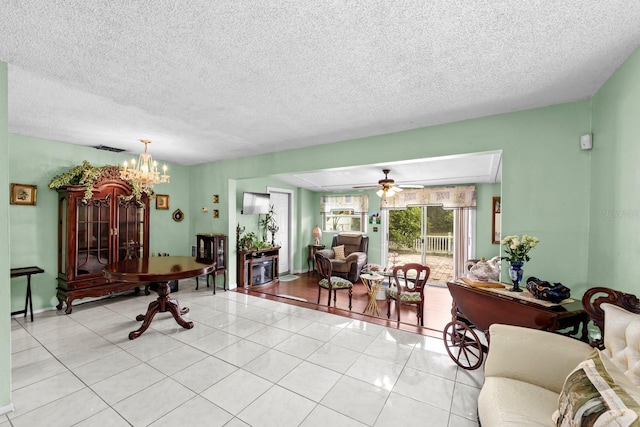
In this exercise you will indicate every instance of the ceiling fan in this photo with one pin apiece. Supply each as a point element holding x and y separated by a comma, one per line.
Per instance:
<point>387,186</point>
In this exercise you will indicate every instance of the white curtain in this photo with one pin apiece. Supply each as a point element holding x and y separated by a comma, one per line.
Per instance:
<point>462,230</point>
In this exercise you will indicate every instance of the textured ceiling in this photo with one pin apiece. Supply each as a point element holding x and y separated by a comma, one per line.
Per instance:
<point>209,80</point>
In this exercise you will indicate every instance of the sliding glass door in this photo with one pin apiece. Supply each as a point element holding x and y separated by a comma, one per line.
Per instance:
<point>425,235</point>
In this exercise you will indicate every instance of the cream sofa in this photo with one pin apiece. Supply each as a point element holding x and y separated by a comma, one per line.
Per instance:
<point>525,369</point>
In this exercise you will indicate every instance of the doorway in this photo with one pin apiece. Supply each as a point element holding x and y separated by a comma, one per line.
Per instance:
<point>424,235</point>
<point>282,202</point>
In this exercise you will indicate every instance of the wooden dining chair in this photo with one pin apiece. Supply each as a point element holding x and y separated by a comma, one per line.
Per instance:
<point>329,282</point>
<point>409,283</point>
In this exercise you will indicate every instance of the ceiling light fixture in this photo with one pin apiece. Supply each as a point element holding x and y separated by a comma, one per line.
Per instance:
<point>388,191</point>
<point>145,172</point>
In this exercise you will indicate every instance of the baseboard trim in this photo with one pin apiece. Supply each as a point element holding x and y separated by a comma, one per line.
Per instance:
<point>6,409</point>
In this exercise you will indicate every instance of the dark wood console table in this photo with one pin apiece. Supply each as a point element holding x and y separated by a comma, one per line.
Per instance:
<point>258,267</point>
<point>28,302</point>
<point>159,271</point>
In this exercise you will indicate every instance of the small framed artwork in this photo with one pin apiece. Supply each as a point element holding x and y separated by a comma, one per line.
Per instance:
<point>23,194</point>
<point>495,220</point>
<point>216,213</point>
<point>216,198</point>
<point>162,201</point>
<point>177,215</point>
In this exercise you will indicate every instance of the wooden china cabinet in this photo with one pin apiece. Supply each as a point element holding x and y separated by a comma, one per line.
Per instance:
<point>105,229</point>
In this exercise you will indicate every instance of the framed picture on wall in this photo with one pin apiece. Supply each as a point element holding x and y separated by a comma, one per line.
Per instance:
<point>23,194</point>
<point>162,201</point>
<point>495,220</point>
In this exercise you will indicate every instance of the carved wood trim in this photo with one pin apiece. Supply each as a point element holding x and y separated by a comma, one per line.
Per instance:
<point>594,297</point>
<point>108,173</point>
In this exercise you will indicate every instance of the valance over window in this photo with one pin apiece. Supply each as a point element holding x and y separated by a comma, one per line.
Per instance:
<point>354,203</point>
<point>448,197</point>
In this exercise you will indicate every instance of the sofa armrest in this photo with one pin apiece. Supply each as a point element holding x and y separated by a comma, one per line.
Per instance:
<point>352,257</point>
<point>327,253</point>
<point>537,357</point>
<point>361,257</point>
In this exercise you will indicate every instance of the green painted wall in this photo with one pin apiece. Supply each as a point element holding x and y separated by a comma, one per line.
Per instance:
<point>484,211</point>
<point>614,244</point>
<point>543,195</point>
<point>5,285</point>
<point>34,231</point>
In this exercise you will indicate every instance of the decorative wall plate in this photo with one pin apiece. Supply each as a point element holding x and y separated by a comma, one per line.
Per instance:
<point>178,215</point>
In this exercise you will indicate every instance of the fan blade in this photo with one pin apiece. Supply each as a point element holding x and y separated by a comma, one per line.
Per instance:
<point>366,187</point>
<point>410,186</point>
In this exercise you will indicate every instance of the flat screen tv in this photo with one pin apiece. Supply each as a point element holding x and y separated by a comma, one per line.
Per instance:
<point>255,203</point>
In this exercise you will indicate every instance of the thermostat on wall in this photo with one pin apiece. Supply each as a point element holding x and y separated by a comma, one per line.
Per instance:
<point>586,141</point>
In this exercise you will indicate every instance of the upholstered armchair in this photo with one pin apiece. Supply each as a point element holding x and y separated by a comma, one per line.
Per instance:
<point>354,247</point>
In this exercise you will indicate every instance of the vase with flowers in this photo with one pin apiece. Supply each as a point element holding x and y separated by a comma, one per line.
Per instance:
<point>517,250</point>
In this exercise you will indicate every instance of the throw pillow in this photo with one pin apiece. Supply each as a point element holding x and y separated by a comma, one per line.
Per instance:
<point>622,340</point>
<point>339,252</point>
<point>591,397</point>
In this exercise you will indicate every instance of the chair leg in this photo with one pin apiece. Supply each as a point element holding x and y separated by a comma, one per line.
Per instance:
<point>388,307</point>
<point>319,290</point>
<point>398,307</point>
<point>335,300</point>
<point>350,294</point>
<point>329,298</point>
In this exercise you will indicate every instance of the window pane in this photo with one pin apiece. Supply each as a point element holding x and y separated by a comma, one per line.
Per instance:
<point>344,212</point>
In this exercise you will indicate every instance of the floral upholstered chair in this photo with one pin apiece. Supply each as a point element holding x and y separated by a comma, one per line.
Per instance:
<point>407,287</point>
<point>329,282</point>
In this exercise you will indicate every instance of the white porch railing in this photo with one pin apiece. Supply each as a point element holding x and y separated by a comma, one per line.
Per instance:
<point>436,244</point>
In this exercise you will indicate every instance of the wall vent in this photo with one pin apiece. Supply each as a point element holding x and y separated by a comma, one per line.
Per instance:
<point>107,148</point>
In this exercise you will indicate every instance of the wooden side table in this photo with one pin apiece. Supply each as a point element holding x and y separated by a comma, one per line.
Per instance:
<point>311,259</point>
<point>372,284</point>
<point>28,302</point>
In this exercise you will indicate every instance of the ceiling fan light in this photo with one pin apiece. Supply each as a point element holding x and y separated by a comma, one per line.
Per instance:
<point>386,192</point>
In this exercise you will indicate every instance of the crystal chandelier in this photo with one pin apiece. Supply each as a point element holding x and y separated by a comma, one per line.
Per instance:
<point>145,172</point>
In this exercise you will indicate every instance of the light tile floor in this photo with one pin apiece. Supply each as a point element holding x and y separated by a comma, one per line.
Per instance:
<point>247,362</point>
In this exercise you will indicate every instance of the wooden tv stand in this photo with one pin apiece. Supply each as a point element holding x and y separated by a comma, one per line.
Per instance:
<point>260,264</point>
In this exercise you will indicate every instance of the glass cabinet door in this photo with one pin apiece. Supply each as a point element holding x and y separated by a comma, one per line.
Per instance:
<point>220,252</point>
<point>130,230</point>
<point>92,249</point>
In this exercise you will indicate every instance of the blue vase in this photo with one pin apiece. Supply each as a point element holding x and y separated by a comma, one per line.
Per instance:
<point>515,274</point>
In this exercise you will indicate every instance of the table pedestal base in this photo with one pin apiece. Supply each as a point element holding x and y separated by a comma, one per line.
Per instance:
<point>372,285</point>
<point>162,304</point>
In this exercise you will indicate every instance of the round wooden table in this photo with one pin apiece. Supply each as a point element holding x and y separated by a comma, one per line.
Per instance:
<point>158,271</point>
